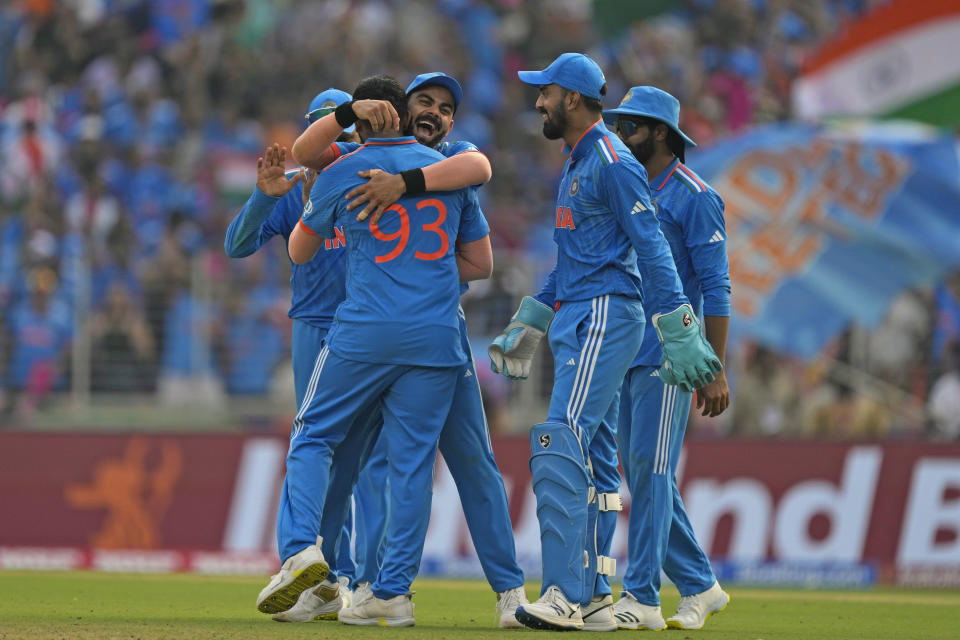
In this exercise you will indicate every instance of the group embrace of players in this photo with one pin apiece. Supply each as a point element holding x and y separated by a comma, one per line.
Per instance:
<point>384,236</point>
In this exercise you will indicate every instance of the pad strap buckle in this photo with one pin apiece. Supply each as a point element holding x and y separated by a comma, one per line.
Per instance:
<point>610,502</point>
<point>606,566</point>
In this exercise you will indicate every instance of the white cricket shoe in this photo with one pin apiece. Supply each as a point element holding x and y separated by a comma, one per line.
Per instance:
<point>321,602</point>
<point>552,612</point>
<point>300,572</point>
<point>631,614</point>
<point>598,615</point>
<point>374,611</point>
<point>346,595</point>
<point>693,610</point>
<point>361,591</point>
<point>507,603</point>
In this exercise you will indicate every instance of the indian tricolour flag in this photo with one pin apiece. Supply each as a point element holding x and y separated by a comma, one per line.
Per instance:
<point>902,60</point>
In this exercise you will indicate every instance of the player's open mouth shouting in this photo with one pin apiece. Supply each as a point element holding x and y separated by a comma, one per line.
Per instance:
<point>426,126</point>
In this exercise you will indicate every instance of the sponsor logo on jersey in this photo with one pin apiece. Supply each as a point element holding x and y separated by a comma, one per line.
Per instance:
<point>716,237</point>
<point>637,208</point>
<point>308,208</point>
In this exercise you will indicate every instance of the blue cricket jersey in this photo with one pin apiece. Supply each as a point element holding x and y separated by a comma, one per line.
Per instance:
<point>402,280</point>
<point>318,286</point>
<point>691,218</point>
<point>608,239</point>
<point>448,150</point>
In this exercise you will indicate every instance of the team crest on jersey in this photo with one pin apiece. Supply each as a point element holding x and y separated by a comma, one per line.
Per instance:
<point>308,208</point>
<point>574,186</point>
<point>545,440</point>
<point>627,97</point>
<point>329,104</point>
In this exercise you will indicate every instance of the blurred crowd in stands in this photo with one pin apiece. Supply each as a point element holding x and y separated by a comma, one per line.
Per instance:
<point>130,131</point>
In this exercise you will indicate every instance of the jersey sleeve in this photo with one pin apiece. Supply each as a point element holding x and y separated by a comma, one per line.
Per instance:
<point>320,212</point>
<point>626,192</point>
<point>548,292</point>
<point>473,224</point>
<point>457,147</point>
<point>244,235</point>
<point>705,236</point>
<point>346,147</point>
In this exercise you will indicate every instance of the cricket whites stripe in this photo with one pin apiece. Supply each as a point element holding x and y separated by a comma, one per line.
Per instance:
<point>311,391</point>
<point>588,360</point>
<point>662,455</point>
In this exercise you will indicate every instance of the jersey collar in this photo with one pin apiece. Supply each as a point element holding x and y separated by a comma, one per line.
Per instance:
<point>595,132</point>
<point>388,141</point>
<point>661,180</point>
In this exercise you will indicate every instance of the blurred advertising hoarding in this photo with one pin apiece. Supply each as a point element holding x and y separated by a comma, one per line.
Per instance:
<point>767,511</point>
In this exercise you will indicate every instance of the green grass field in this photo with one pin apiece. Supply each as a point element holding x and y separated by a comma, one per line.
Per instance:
<point>68,605</point>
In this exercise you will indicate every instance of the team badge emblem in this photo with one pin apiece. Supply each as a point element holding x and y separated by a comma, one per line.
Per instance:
<point>627,97</point>
<point>686,320</point>
<point>545,440</point>
<point>575,186</point>
<point>329,104</point>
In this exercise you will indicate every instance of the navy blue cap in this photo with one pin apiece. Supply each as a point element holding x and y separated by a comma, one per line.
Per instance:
<point>573,71</point>
<point>441,80</point>
<point>326,102</point>
<point>650,102</point>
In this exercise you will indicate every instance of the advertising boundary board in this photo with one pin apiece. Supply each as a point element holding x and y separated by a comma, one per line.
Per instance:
<point>767,511</point>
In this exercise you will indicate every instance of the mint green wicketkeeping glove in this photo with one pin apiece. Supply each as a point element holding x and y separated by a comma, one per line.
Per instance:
<point>511,353</point>
<point>688,359</point>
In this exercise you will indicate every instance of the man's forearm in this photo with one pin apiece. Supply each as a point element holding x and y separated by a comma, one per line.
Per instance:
<point>715,330</point>
<point>316,140</point>
<point>462,170</point>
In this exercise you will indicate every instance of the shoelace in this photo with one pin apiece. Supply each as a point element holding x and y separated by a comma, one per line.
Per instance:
<point>687,605</point>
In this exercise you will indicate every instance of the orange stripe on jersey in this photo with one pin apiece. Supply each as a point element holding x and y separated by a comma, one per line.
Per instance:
<point>583,134</point>
<point>346,155</point>
<point>667,178</point>
<point>610,146</point>
<point>689,173</point>
<point>372,143</point>
<point>305,228</point>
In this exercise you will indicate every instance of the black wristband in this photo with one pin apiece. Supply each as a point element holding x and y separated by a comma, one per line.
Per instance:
<point>345,115</point>
<point>414,180</point>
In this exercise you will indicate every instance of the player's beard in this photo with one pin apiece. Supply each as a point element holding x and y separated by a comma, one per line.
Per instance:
<point>642,151</point>
<point>422,136</point>
<point>555,124</point>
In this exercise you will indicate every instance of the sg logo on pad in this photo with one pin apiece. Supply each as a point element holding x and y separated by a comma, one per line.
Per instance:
<point>545,440</point>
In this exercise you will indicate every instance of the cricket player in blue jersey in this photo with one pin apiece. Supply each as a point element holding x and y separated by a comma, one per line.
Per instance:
<point>610,252</point>
<point>432,101</point>
<point>317,287</point>
<point>653,414</point>
<point>394,344</point>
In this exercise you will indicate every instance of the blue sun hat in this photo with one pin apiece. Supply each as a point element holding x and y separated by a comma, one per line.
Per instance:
<point>326,102</point>
<point>650,102</point>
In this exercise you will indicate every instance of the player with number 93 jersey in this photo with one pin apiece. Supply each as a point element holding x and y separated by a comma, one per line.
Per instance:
<point>374,324</point>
